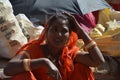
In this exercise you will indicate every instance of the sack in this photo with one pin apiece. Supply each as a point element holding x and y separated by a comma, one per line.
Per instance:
<point>11,36</point>
<point>28,28</point>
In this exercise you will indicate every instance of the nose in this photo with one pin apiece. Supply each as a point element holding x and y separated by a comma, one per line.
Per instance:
<point>59,34</point>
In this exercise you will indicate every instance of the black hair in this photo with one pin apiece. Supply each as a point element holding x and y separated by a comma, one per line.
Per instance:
<point>53,18</point>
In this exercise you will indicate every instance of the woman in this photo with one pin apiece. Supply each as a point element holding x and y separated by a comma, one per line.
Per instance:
<point>55,56</point>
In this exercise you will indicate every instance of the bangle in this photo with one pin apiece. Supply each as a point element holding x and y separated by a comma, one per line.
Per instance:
<point>90,45</point>
<point>26,64</point>
<point>2,75</point>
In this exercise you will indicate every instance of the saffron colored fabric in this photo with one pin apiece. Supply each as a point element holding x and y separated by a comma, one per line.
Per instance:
<point>79,72</point>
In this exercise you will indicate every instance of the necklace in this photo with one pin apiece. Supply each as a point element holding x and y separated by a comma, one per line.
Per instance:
<point>49,54</point>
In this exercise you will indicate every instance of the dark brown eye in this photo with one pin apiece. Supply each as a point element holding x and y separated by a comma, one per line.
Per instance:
<point>53,29</point>
<point>64,31</point>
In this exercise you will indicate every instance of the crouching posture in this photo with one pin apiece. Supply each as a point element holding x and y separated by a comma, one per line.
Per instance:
<point>55,56</point>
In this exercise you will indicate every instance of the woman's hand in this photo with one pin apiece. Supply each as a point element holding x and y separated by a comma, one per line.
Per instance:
<point>76,26</point>
<point>73,20</point>
<point>53,70</point>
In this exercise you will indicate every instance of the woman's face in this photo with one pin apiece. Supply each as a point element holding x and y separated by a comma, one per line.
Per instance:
<point>58,33</point>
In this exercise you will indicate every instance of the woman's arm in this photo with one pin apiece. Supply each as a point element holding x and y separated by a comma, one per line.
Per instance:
<point>16,66</point>
<point>90,59</point>
<point>94,56</point>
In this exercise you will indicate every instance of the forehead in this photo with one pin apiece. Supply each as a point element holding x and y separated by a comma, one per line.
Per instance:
<point>60,21</point>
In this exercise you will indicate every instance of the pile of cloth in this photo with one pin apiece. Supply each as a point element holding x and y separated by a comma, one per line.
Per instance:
<point>107,36</point>
<point>107,32</point>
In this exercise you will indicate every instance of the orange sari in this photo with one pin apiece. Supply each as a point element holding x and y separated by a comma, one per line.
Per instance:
<point>79,72</point>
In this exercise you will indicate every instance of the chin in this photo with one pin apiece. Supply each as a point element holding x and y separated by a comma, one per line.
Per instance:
<point>58,46</point>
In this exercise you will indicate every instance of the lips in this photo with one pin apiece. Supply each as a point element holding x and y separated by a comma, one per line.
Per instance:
<point>59,40</point>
